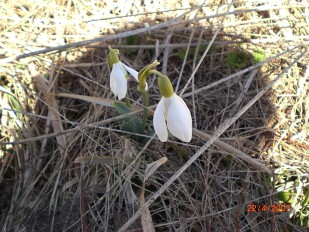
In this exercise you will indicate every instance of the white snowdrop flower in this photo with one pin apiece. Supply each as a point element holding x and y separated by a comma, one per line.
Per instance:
<point>172,114</point>
<point>118,79</point>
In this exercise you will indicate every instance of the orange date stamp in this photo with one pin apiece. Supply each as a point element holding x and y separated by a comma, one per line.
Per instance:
<point>280,208</point>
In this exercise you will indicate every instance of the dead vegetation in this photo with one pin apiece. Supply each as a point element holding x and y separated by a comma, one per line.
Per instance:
<point>67,164</point>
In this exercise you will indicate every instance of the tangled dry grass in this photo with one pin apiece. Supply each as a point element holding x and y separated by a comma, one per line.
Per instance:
<point>68,165</point>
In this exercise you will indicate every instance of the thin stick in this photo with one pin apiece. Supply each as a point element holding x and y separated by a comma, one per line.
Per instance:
<point>166,51</point>
<point>206,51</point>
<point>225,125</point>
<point>109,37</point>
<point>239,73</point>
<point>233,151</point>
<point>188,45</point>
<point>142,30</point>
<point>83,203</point>
<point>171,46</point>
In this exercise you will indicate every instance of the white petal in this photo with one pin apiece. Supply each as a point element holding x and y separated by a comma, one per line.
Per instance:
<point>179,120</point>
<point>112,83</point>
<point>131,71</point>
<point>123,69</point>
<point>112,80</point>
<point>118,81</point>
<point>121,87</point>
<point>159,121</point>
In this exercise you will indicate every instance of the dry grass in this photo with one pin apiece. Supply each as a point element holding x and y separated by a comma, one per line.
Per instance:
<point>66,162</point>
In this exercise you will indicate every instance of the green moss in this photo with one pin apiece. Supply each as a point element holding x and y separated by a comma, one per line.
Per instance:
<point>258,56</point>
<point>237,59</point>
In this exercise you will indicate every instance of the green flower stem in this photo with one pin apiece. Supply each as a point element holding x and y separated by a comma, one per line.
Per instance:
<point>165,85</point>
<point>146,104</point>
<point>144,74</point>
<point>156,73</point>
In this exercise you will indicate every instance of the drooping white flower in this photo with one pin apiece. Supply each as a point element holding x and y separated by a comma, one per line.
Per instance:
<point>118,79</point>
<point>173,115</point>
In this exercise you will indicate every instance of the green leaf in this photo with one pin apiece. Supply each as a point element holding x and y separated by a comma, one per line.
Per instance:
<point>306,200</point>
<point>121,107</point>
<point>131,123</point>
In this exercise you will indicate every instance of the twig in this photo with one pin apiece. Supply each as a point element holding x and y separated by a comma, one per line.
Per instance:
<point>206,51</point>
<point>109,37</point>
<point>166,51</point>
<point>244,91</point>
<point>240,72</point>
<point>171,46</point>
<point>188,45</point>
<point>233,151</point>
<point>83,207</point>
